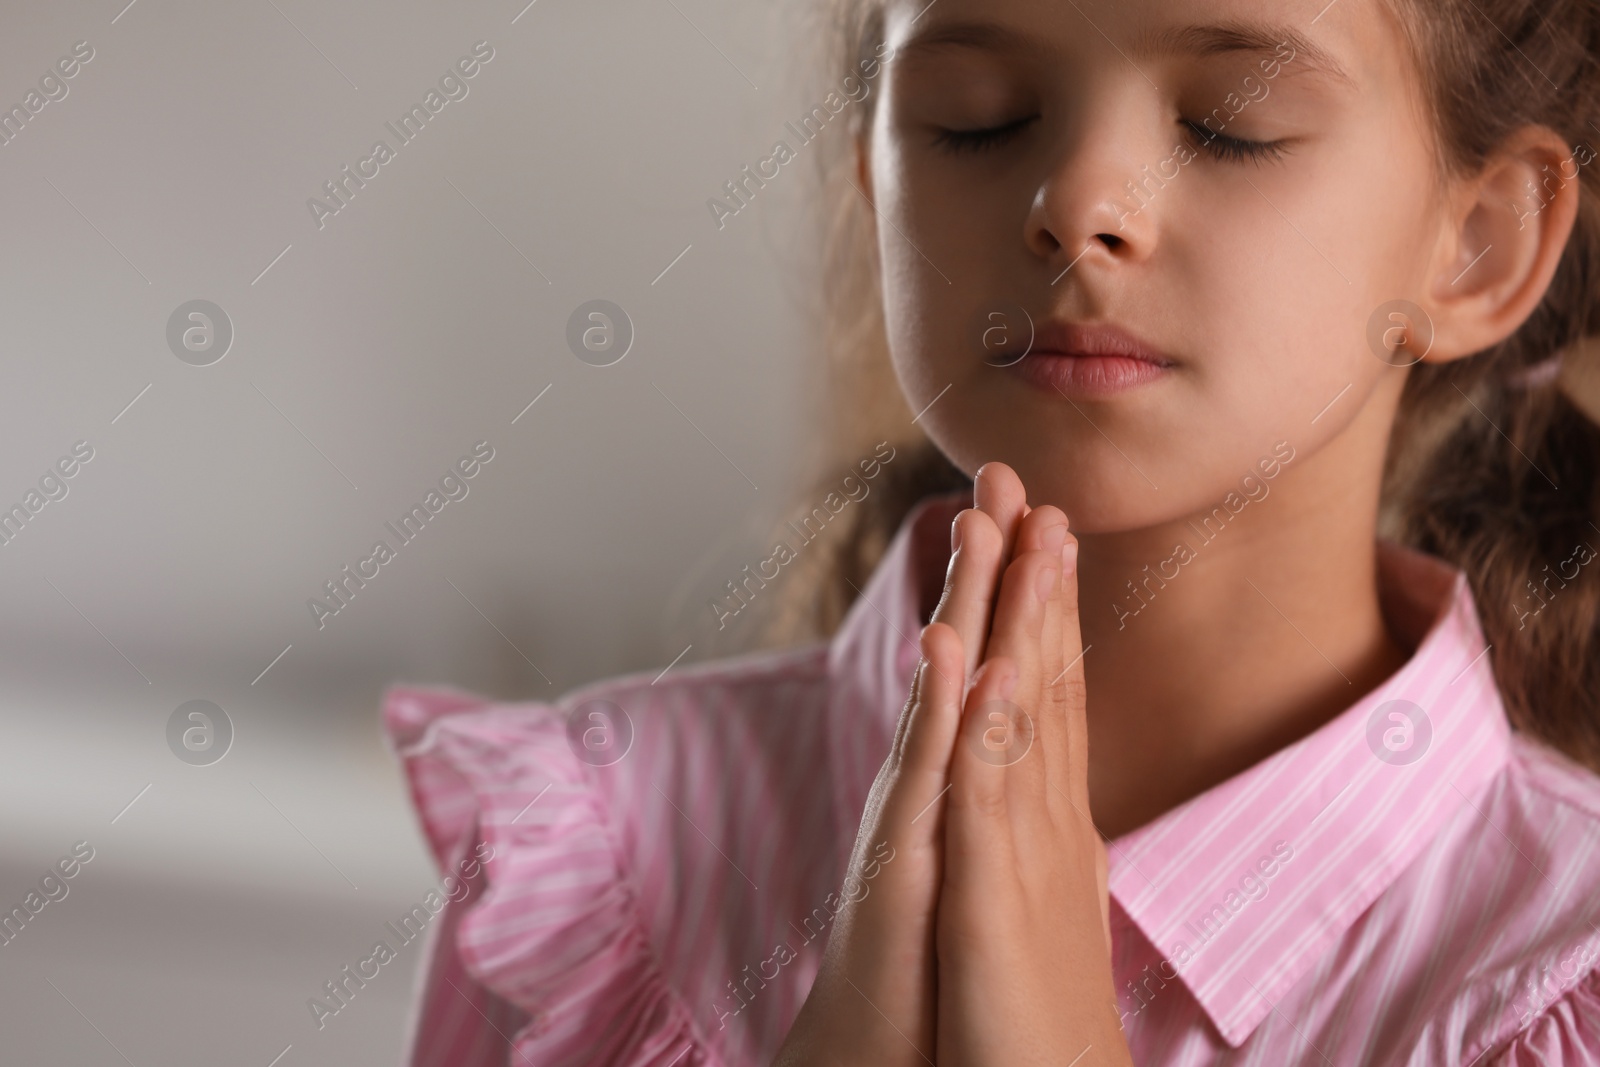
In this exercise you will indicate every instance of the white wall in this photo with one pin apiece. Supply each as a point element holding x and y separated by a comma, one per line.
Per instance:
<point>420,319</point>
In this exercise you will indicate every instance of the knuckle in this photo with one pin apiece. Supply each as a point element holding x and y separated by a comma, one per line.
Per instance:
<point>987,803</point>
<point>1025,565</point>
<point>1070,691</point>
<point>1049,515</point>
<point>981,525</point>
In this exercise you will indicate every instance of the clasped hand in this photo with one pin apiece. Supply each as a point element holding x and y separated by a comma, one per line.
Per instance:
<point>986,940</point>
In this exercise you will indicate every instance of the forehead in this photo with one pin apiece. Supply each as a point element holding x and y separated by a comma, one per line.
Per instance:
<point>1346,44</point>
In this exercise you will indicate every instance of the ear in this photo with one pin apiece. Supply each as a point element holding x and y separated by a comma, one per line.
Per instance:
<point>862,151</point>
<point>863,161</point>
<point>1507,228</point>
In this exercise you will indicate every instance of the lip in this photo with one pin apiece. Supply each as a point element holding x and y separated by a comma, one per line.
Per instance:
<point>1090,361</point>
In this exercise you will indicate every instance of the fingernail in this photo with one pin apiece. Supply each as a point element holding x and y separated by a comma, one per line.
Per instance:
<point>1055,537</point>
<point>1045,584</point>
<point>955,534</point>
<point>1069,558</point>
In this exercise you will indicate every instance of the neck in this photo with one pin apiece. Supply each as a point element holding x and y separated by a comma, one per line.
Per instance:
<point>1265,628</point>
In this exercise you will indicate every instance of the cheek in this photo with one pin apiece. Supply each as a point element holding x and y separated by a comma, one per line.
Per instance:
<point>909,242</point>
<point>1346,229</point>
<point>945,255</point>
<point>1284,281</point>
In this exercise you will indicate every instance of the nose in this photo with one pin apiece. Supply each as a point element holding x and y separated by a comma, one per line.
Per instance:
<point>1096,196</point>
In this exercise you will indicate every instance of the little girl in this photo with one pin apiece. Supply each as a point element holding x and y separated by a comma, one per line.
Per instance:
<point>1228,691</point>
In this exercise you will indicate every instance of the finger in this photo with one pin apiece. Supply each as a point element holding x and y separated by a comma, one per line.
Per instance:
<point>918,768</point>
<point>967,603</point>
<point>881,939</point>
<point>1029,590</point>
<point>922,746</point>
<point>902,811</point>
<point>1072,702</point>
<point>979,552</point>
<point>1102,886</point>
<point>1031,581</point>
<point>978,838</point>
<point>1045,529</point>
<point>998,492</point>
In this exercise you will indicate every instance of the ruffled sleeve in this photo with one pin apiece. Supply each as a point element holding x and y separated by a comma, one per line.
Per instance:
<point>549,953</point>
<point>1567,1033</point>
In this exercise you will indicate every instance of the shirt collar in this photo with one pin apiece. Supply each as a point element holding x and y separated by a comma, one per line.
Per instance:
<point>1245,886</point>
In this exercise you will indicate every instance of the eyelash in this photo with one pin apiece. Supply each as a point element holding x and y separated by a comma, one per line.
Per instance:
<point>1234,149</point>
<point>963,142</point>
<point>1231,149</point>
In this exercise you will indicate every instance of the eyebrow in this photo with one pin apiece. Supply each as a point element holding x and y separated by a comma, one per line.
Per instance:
<point>1224,38</point>
<point>1201,40</point>
<point>968,35</point>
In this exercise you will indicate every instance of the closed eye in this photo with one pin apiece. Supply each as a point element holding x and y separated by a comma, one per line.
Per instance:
<point>960,142</point>
<point>1234,149</point>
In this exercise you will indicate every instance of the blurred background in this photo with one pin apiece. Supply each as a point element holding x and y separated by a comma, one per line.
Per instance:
<point>245,449</point>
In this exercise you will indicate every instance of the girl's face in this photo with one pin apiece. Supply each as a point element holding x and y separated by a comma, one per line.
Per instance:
<point>1040,163</point>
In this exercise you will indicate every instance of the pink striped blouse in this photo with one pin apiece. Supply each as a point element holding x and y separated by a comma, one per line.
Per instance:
<point>1412,883</point>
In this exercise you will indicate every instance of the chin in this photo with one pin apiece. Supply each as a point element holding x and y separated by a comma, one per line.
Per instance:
<point>1096,487</point>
